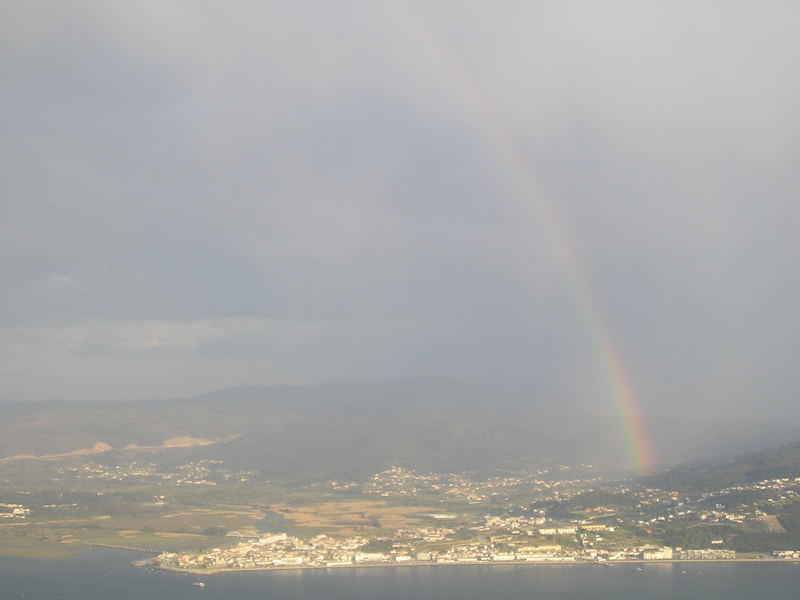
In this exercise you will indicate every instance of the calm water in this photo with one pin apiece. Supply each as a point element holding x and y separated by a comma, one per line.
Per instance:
<point>108,575</point>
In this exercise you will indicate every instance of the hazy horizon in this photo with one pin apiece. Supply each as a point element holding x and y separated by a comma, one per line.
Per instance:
<point>200,196</point>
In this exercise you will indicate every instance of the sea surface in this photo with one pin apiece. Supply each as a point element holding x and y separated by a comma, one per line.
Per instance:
<point>108,575</point>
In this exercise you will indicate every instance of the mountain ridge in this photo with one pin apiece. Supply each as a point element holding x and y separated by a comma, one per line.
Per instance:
<point>352,429</point>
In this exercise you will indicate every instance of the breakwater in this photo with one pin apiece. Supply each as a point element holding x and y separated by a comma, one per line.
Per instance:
<point>128,548</point>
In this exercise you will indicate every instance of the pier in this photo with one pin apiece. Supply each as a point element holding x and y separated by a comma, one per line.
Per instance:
<point>128,548</point>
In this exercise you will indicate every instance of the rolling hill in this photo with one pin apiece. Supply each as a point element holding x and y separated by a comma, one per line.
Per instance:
<point>352,429</point>
<point>776,462</point>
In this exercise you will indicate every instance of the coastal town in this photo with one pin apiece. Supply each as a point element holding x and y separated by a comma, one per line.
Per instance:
<point>283,551</point>
<point>186,513</point>
<point>540,532</point>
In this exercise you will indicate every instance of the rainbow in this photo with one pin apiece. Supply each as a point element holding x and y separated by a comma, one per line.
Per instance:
<point>557,240</point>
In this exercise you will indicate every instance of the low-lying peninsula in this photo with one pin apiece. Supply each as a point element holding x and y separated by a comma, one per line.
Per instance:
<point>281,552</point>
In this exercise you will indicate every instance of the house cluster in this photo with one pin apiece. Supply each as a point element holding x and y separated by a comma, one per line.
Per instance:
<point>13,511</point>
<point>533,525</point>
<point>513,523</point>
<point>788,488</point>
<point>398,481</point>
<point>733,505</point>
<point>424,534</point>
<point>491,552</point>
<point>706,554</point>
<point>657,553</point>
<point>204,472</point>
<point>281,550</point>
<point>276,550</point>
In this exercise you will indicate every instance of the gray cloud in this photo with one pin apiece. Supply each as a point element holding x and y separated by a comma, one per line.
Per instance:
<point>198,196</point>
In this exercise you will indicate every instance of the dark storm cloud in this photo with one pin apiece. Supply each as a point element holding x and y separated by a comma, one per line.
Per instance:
<point>198,196</point>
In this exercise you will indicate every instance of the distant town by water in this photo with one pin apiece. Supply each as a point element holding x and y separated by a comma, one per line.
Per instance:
<point>107,574</point>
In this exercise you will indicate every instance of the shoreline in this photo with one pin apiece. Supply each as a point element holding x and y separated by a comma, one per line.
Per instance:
<point>604,563</point>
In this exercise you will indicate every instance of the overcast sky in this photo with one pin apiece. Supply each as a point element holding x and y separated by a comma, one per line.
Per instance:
<point>198,195</point>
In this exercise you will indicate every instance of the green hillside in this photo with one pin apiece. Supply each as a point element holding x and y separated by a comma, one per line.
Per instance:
<point>778,462</point>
